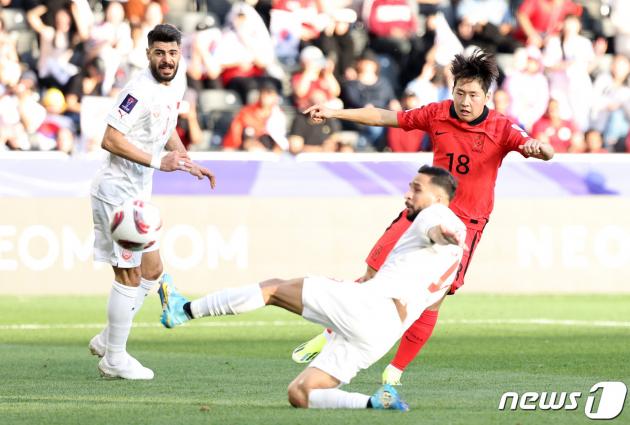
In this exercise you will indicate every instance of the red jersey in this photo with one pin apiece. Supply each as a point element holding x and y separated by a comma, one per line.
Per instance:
<point>386,242</point>
<point>472,152</point>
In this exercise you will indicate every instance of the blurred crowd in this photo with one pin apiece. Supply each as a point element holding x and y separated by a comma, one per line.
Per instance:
<point>254,65</point>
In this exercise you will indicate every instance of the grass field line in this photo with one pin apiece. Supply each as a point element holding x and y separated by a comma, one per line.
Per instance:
<point>297,322</point>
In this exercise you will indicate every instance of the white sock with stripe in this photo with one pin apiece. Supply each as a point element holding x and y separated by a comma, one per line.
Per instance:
<point>334,398</point>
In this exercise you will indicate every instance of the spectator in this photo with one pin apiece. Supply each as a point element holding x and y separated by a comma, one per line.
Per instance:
<point>305,136</point>
<point>399,140</point>
<point>336,39</point>
<point>502,104</point>
<point>13,131</point>
<point>527,88</point>
<point>246,52</point>
<point>203,67</point>
<point>568,58</point>
<point>317,74</point>
<point>59,51</point>
<point>57,130</point>
<point>552,129</point>
<point>594,143</point>
<point>432,85</point>
<point>620,17</point>
<point>41,14</point>
<point>369,89</point>
<point>188,127</point>
<point>88,82</point>
<point>540,19</point>
<point>111,41</point>
<point>610,113</point>
<point>137,10</point>
<point>136,60</point>
<point>392,29</point>
<point>259,126</point>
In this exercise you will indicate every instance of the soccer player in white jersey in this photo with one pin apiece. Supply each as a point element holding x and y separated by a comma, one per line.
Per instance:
<point>139,137</point>
<point>367,318</point>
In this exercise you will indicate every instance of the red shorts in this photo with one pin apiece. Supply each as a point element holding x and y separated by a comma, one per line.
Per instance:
<point>474,230</point>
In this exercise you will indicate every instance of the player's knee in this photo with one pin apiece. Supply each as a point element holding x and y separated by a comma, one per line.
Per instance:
<point>128,277</point>
<point>298,395</point>
<point>154,273</point>
<point>269,288</point>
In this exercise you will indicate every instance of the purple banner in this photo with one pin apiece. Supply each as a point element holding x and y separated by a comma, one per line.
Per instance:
<point>323,176</point>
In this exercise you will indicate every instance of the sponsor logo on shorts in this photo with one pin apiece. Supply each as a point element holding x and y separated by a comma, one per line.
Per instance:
<point>605,400</point>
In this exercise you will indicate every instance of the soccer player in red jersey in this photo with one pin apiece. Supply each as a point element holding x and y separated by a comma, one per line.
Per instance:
<point>470,141</point>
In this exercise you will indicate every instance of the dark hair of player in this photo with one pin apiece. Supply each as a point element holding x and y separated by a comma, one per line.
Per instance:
<point>442,178</point>
<point>479,65</point>
<point>165,33</point>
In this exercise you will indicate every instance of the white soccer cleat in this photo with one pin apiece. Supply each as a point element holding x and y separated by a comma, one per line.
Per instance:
<point>392,375</point>
<point>97,345</point>
<point>130,368</point>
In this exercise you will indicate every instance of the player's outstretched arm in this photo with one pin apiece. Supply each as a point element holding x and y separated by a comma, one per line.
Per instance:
<point>367,116</point>
<point>369,274</point>
<point>537,149</point>
<point>442,235</point>
<point>116,142</point>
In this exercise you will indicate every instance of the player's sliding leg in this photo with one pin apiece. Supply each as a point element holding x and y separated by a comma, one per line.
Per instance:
<point>307,351</point>
<point>176,309</point>
<point>411,343</point>
<point>316,389</point>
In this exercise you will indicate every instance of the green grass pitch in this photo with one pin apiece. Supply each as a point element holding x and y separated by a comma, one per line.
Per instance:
<point>235,370</point>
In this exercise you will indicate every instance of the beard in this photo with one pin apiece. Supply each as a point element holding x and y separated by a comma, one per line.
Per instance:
<point>160,79</point>
<point>411,215</point>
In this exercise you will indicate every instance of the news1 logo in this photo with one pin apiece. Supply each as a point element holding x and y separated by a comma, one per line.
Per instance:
<point>611,400</point>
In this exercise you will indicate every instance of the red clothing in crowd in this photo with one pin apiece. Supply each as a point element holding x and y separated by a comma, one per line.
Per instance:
<point>387,16</point>
<point>560,135</point>
<point>545,16</point>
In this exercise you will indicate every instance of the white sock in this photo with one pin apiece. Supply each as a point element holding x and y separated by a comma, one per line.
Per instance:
<point>228,301</point>
<point>328,334</point>
<point>143,290</point>
<point>119,316</point>
<point>334,398</point>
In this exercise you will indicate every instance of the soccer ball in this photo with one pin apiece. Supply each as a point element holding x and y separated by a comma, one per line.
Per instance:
<point>136,225</point>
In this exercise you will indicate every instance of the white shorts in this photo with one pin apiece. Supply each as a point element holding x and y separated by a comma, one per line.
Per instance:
<point>365,326</point>
<point>105,249</point>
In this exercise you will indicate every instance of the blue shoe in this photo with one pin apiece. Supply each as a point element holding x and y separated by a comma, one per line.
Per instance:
<point>173,313</point>
<point>387,397</point>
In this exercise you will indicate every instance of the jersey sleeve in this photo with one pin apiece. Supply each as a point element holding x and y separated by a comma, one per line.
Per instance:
<point>381,249</point>
<point>128,109</point>
<point>416,119</point>
<point>515,136</point>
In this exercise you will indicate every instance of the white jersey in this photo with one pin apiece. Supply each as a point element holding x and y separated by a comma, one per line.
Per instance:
<point>146,113</point>
<point>417,268</point>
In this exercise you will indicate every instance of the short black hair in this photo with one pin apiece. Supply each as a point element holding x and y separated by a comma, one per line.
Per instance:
<point>479,65</point>
<point>442,178</point>
<point>165,33</point>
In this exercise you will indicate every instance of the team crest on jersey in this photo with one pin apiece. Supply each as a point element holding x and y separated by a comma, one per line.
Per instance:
<point>478,143</point>
<point>128,103</point>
